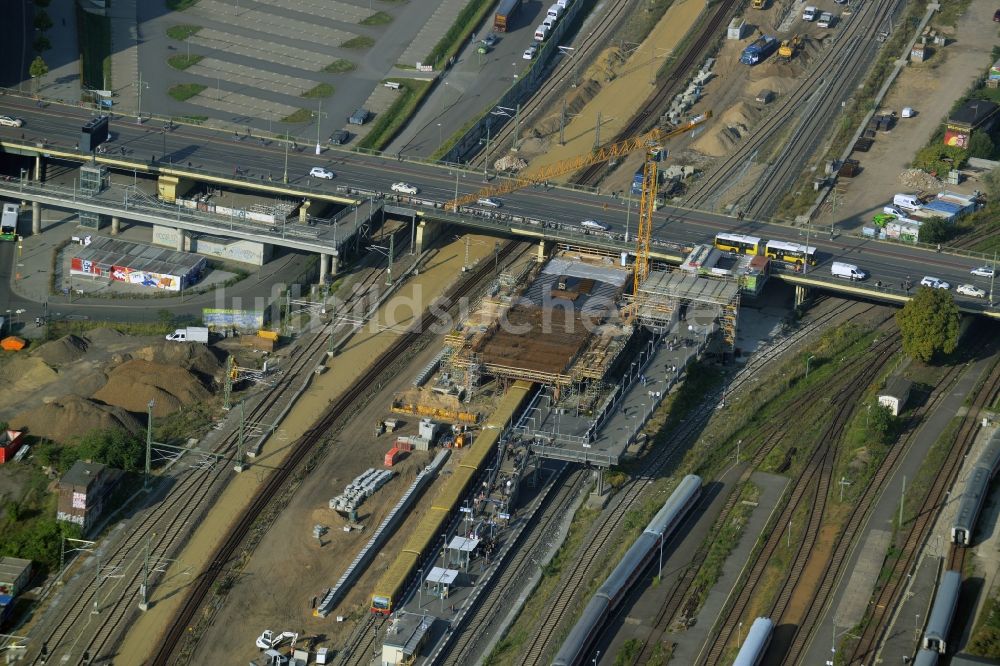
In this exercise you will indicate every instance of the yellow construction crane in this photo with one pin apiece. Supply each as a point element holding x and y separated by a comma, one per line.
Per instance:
<point>652,142</point>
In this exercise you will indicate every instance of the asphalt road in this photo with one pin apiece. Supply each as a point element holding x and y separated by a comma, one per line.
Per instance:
<point>205,149</point>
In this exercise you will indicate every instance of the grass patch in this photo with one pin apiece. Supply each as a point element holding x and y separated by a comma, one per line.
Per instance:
<point>182,31</point>
<point>985,640</point>
<point>628,652</point>
<point>378,18</point>
<point>180,5</point>
<point>185,91</point>
<point>726,537</point>
<point>300,116</point>
<point>182,62</point>
<point>359,42</point>
<point>94,35</point>
<point>319,90</point>
<point>390,121</point>
<point>339,66</point>
<point>467,20</point>
<point>950,12</point>
<point>194,120</point>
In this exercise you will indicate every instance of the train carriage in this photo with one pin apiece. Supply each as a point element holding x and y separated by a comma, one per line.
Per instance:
<point>942,612</point>
<point>970,505</point>
<point>631,566</point>
<point>755,645</point>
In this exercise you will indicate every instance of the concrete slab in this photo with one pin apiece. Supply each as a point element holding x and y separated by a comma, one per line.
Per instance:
<point>282,54</point>
<point>852,607</point>
<point>273,24</point>
<point>432,32</point>
<point>212,68</point>
<point>224,100</point>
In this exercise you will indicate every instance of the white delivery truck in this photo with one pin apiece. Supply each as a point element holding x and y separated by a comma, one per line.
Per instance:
<point>847,271</point>
<point>907,202</point>
<point>190,334</point>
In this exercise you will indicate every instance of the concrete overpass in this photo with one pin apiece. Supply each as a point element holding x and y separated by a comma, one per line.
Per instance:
<point>550,214</point>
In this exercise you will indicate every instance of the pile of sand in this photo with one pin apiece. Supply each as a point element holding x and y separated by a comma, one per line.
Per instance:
<point>69,416</point>
<point>64,350</point>
<point>104,335</point>
<point>26,373</point>
<point>134,383</point>
<point>727,132</point>
<point>196,358</point>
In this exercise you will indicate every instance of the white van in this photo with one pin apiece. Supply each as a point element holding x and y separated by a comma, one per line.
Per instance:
<point>541,32</point>
<point>809,14</point>
<point>906,201</point>
<point>847,271</point>
<point>549,22</point>
<point>563,4</point>
<point>555,11</point>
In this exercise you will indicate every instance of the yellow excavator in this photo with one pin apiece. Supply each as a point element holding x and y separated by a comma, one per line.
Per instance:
<point>789,48</point>
<point>652,142</point>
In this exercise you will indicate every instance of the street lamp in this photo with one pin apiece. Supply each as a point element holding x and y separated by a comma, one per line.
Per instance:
<point>440,138</point>
<point>807,364</point>
<point>833,644</point>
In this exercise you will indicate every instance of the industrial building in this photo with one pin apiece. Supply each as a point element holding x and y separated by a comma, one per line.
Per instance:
<point>137,264</point>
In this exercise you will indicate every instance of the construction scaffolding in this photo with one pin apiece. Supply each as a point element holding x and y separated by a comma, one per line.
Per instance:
<point>665,291</point>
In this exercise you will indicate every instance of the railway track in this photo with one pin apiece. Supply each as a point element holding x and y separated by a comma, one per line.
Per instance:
<point>677,599</point>
<point>597,39</point>
<point>887,597</point>
<point>653,107</point>
<point>89,621</point>
<point>832,71</point>
<point>812,484</point>
<point>580,574</point>
<point>300,450</point>
<point>514,572</point>
<point>860,510</point>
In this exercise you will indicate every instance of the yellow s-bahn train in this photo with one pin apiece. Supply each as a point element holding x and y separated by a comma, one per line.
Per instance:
<point>788,253</point>
<point>394,582</point>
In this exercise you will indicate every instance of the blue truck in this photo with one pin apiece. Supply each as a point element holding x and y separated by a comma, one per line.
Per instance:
<point>759,50</point>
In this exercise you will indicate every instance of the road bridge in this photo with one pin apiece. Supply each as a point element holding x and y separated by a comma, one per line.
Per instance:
<point>546,213</point>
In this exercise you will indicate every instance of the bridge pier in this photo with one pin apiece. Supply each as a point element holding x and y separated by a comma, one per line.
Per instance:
<point>181,238</point>
<point>334,265</point>
<point>39,172</point>
<point>427,231</point>
<point>36,218</point>
<point>542,251</point>
<point>323,262</point>
<point>116,225</point>
<point>801,295</point>
<point>304,212</point>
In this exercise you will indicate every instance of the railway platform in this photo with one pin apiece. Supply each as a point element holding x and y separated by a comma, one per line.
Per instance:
<point>900,638</point>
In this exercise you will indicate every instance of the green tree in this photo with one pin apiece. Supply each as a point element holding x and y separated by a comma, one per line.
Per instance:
<point>38,69</point>
<point>981,145</point>
<point>41,43</point>
<point>42,20</point>
<point>991,181</point>
<point>929,324</point>
<point>935,230</point>
<point>882,424</point>
<point>115,447</point>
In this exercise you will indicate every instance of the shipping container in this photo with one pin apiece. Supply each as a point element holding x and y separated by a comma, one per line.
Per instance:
<point>10,442</point>
<point>392,456</point>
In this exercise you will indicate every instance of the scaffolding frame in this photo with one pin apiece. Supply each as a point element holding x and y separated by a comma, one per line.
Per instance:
<point>660,295</point>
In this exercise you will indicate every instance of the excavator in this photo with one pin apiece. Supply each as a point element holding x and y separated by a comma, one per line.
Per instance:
<point>651,142</point>
<point>789,48</point>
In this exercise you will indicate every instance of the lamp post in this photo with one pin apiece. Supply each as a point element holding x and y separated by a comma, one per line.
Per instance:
<point>440,138</point>
<point>284,177</point>
<point>833,643</point>
<point>808,360</point>
<point>319,117</point>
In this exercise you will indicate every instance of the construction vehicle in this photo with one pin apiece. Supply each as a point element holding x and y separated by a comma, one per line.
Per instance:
<point>759,4</point>
<point>651,142</point>
<point>789,48</point>
<point>269,640</point>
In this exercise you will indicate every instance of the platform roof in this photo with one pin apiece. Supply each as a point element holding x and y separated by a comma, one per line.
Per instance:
<point>463,544</point>
<point>442,576</point>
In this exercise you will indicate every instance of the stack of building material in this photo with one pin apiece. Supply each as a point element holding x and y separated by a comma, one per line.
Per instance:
<point>361,488</point>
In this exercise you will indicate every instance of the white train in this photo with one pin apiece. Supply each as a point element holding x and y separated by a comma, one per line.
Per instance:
<point>942,612</point>
<point>755,645</point>
<point>577,645</point>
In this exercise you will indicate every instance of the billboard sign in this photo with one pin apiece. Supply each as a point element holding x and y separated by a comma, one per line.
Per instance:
<point>145,278</point>
<point>954,136</point>
<point>244,320</point>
